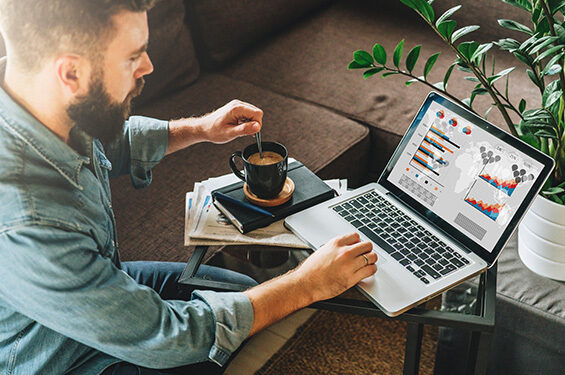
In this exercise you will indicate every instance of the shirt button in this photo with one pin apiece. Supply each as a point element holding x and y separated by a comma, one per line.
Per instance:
<point>113,243</point>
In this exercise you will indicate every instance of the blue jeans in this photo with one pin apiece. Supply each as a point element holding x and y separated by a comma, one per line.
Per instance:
<point>162,277</point>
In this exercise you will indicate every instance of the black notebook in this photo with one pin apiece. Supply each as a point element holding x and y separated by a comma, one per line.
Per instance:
<point>309,190</point>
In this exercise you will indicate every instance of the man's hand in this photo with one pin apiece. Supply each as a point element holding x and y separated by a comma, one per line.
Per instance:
<point>337,266</point>
<point>328,272</point>
<point>233,120</point>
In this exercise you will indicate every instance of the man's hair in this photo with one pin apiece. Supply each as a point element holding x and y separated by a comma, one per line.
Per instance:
<point>39,29</point>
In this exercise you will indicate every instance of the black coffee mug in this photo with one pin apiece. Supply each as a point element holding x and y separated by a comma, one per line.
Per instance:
<point>265,181</point>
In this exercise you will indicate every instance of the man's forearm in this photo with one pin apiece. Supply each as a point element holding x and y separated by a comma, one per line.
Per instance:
<point>184,132</point>
<point>277,298</point>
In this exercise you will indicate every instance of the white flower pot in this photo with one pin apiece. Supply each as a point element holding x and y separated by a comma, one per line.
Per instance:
<point>541,239</point>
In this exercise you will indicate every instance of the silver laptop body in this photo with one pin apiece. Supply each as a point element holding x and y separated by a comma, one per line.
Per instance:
<point>441,212</point>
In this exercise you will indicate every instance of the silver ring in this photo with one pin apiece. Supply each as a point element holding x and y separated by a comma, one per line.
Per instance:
<point>366,259</point>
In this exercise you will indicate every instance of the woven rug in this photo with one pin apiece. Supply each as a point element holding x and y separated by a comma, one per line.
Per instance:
<point>346,344</point>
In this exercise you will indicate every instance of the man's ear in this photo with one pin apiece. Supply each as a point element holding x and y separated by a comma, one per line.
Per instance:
<point>73,74</point>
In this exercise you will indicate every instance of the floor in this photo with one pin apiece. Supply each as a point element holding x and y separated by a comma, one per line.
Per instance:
<point>266,343</point>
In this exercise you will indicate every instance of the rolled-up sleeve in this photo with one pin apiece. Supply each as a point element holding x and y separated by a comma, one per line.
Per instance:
<point>142,145</point>
<point>58,279</point>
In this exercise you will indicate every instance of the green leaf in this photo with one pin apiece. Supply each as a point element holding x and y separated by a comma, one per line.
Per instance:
<point>389,74</point>
<point>439,86</point>
<point>355,65</point>
<point>554,60</point>
<point>447,75</point>
<point>530,139</point>
<point>446,28</point>
<point>483,48</point>
<point>412,58</point>
<point>363,58</point>
<point>551,69</point>
<point>528,43</point>
<point>372,72</point>
<point>479,91</point>
<point>496,77</point>
<point>542,26</point>
<point>533,77</point>
<point>488,111</point>
<point>471,78</point>
<point>545,134</point>
<point>542,43</point>
<point>429,64</point>
<point>522,106</point>
<point>408,83</point>
<point>398,53</point>
<point>379,53</point>
<point>553,98</point>
<point>463,31</point>
<point>508,44</point>
<point>554,190</point>
<point>448,13</point>
<point>422,7</point>
<point>467,49</point>
<point>548,52</point>
<point>513,25</point>
<point>522,4</point>
<point>523,58</point>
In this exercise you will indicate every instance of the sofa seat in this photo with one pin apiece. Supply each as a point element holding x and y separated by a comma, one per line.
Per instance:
<point>309,62</point>
<point>530,319</point>
<point>151,221</point>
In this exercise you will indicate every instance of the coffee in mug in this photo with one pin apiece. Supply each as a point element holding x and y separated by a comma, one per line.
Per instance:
<point>269,157</point>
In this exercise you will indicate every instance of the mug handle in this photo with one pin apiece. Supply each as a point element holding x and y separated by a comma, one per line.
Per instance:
<point>234,169</point>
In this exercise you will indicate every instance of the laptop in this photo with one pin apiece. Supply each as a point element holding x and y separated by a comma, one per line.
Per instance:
<point>445,206</point>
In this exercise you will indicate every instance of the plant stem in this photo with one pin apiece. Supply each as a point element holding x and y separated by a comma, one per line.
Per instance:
<point>481,79</point>
<point>455,99</point>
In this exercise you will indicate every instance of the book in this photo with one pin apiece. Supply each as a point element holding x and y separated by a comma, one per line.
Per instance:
<point>309,190</point>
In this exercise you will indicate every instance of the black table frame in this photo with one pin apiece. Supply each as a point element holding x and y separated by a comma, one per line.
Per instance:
<point>480,324</point>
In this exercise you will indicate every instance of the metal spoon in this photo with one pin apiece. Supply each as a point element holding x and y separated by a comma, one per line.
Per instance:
<point>259,145</point>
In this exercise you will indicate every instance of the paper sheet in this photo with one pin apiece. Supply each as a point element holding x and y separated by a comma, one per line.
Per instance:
<point>206,225</point>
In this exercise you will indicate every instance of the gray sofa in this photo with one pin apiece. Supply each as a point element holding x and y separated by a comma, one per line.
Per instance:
<point>289,57</point>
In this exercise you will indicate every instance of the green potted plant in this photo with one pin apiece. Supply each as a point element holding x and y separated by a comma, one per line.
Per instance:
<point>542,51</point>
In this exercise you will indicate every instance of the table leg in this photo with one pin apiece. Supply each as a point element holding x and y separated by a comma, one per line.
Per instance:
<point>477,358</point>
<point>414,335</point>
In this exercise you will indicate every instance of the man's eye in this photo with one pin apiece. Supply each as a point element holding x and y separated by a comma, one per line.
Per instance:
<point>134,59</point>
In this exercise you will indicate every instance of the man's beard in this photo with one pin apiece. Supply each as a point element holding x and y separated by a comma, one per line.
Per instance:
<point>97,115</point>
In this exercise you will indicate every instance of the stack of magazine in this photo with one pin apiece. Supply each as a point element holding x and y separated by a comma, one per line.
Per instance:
<point>206,225</point>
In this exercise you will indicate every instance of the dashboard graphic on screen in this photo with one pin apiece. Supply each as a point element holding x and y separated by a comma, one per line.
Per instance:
<point>464,174</point>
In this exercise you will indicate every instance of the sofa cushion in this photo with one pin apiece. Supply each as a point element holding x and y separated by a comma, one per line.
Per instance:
<point>224,28</point>
<point>150,221</point>
<point>309,61</point>
<point>171,51</point>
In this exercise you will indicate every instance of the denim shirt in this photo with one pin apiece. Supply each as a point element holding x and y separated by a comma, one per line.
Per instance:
<point>66,307</point>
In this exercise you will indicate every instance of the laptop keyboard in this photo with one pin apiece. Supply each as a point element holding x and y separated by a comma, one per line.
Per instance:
<point>409,243</point>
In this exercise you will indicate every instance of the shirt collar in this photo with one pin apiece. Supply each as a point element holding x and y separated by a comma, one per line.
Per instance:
<point>59,155</point>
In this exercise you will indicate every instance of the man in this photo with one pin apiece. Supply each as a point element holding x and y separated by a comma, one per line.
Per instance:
<point>67,303</point>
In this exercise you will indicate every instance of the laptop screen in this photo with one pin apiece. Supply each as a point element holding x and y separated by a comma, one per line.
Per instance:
<point>462,171</point>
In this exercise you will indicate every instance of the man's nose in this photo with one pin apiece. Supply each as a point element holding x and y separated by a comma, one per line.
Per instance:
<point>145,68</point>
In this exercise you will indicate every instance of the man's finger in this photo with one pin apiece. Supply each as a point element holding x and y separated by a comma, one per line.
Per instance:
<point>361,248</point>
<point>348,239</point>
<point>365,272</point>
<point>246,128</point>
<point>247,111</point>
<point>366,259</point>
